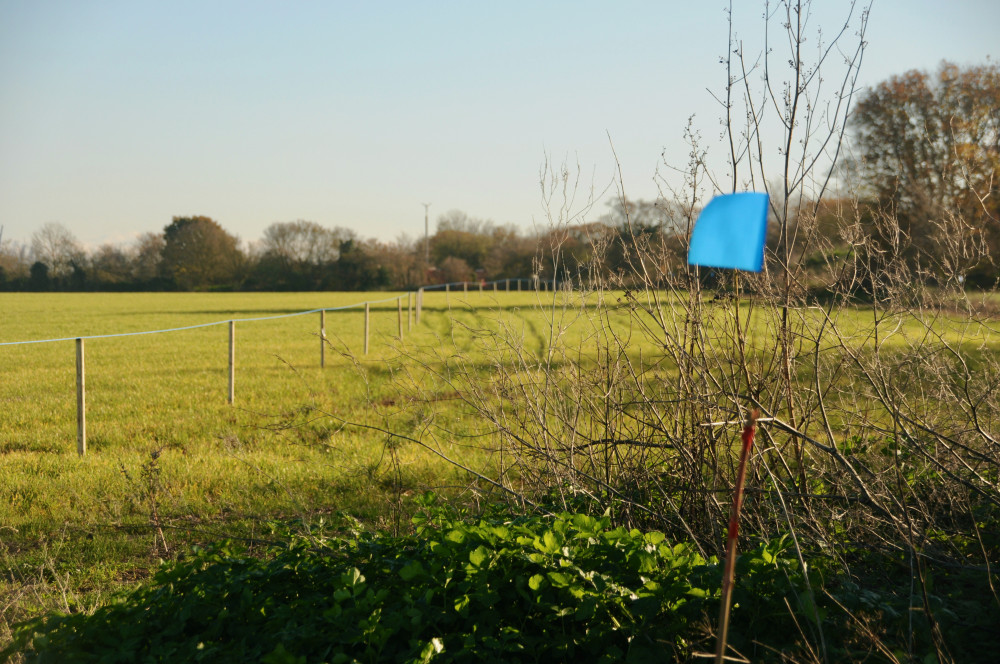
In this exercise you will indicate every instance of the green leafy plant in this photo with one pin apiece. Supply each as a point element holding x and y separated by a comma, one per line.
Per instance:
<point>538,588</point>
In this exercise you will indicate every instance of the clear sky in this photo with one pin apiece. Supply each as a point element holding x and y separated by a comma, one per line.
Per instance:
<point>116,115</point>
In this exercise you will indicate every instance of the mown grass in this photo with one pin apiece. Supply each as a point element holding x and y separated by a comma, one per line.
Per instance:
<point>161,433</point>
<point>74,529</point>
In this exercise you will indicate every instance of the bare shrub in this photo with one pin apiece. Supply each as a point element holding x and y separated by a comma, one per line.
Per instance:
<point>876,377</point>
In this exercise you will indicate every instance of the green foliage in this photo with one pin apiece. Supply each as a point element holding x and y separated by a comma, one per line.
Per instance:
<point>198,254</point>
<point>561,588</point>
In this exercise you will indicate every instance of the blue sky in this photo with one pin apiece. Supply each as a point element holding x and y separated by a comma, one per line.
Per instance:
<point>116,116</point>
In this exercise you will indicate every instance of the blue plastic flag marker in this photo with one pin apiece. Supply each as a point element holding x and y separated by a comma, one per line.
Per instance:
<point>730,232</point>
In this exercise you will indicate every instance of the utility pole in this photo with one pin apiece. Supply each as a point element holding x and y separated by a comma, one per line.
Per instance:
<point>427,236</point>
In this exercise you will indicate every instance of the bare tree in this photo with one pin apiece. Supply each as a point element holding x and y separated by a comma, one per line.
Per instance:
<point>457,220</point>
<point>14,259</point>
<point>930,153</point>
<point>54,245</point>
<point>148,253</point>
<point>879,394</point>
<point>111,265</point>
<point>304,242</point>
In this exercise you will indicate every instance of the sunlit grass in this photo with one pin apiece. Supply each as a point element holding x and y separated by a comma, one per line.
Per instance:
<point>282,450</point>
<point>222,470</point>
<point>170,390</point>
<point>168,393</point>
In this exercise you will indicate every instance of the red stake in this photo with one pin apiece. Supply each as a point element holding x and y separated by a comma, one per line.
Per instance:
<point>734,528</point>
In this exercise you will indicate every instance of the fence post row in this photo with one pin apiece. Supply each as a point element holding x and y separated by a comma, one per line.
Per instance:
<point>414,309</point>
<point>232,361</point>
<point>81,401</point>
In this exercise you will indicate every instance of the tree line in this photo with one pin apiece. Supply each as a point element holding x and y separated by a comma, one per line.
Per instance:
<point>196,253</point>
<point>926,155</point>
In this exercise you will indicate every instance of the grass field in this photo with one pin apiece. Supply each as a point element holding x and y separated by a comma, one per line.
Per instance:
<point>170,463</point>
<point>72,528</point>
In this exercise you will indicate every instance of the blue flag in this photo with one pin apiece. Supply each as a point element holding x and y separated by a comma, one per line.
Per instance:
<point>730,232</point>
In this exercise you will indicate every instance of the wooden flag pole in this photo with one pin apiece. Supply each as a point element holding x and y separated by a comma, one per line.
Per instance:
<point>749,428</point>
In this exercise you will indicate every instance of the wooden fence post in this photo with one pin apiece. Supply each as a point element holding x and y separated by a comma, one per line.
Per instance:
<point>465,286</point>
<point>447,295</point>
<point>399,316</point>
<point>366,327</point>
<point>232,361</point>
<point>409,311</point>
<point>81,401</point>
<point>322,338</point>
<point>519,284</point>
<point>420,304</point>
